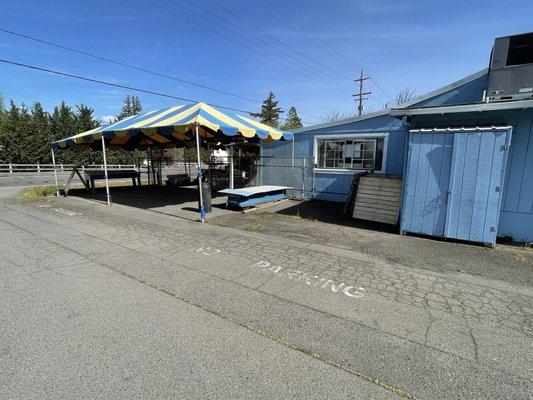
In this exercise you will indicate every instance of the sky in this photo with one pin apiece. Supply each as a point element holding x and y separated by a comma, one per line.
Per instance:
<point>307,52</point>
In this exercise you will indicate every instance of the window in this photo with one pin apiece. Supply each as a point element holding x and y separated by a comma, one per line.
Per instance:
<point>360,153</point>
<point>520,50</point>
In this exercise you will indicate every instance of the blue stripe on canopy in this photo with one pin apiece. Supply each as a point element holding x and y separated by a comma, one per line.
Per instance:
<point>169,115</point>
<point>155,125</point>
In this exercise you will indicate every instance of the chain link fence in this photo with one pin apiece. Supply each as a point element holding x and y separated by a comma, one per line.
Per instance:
<point>294,172</point>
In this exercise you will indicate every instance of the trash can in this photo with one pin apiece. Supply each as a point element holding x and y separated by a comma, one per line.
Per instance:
<point>206,196</point>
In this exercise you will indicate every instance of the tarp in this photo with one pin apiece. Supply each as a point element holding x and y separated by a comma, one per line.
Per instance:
<point>175,127</point>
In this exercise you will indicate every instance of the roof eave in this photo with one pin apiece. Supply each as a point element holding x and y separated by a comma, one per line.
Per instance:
<point>410,103</point>
<point>463,108</point>
<point>341,121</point>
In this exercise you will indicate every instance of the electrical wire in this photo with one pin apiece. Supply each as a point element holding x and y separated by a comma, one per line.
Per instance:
<point>123,64</point>
<point>102,82</point>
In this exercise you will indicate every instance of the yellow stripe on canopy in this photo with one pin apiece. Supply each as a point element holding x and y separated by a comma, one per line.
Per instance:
<point>176,121</point>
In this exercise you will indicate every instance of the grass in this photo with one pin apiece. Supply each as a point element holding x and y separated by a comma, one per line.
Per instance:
<point>256,225</point>
<point>35,192</point>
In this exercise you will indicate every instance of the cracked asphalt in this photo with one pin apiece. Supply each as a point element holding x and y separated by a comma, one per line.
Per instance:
<point>118,302</point>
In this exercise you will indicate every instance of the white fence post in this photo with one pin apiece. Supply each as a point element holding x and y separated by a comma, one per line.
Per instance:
<point>38,168</point>
<point>10,168</point>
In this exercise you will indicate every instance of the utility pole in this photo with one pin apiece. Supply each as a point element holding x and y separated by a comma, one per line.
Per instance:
<point>361,95</point>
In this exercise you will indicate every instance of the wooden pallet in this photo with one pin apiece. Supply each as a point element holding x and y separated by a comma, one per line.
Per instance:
<point>378,199</point>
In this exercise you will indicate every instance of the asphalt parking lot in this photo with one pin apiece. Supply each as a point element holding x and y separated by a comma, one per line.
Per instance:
<point>122,302</point>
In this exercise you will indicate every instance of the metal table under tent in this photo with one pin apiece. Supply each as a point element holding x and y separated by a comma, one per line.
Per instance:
<point>193,125</point>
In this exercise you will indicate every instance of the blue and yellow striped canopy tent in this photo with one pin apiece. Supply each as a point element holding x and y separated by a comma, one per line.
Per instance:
<point>189,125</point>
<point>175,127</point>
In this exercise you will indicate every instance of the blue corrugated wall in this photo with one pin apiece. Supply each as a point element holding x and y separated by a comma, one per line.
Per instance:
<point>516,216</point>
<point>334,186</point>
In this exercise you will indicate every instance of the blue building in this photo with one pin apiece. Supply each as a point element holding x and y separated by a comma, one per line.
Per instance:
<point>444,146</point>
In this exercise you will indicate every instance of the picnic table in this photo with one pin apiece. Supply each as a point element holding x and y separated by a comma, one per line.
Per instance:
<point>92,175</point>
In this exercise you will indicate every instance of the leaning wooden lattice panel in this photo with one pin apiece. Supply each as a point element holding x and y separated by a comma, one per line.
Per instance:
<point>378,199</point>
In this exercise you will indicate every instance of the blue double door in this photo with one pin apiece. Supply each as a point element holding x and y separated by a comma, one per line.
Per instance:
<point>454,182</point>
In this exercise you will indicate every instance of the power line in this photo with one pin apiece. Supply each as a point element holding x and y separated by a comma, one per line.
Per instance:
<point>275,50</point>
<point>73,50</point>
<point>124,64</point>
<point>101,82</point>
<point>319,42</point>
<point>285,44</point>
<point>309,68</point>
<point>251,49</point>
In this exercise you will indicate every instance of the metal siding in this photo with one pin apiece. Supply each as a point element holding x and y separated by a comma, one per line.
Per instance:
<point>474,191</point>
<point>427,183</point>
<point>470,92</point>
<point>525,195</point>
<point>516,216</point>
<point>453,193</point>
<point>437,185</point>
<point>335,186</point>
<point>498,167</point>
<point>519,152</point>
<point>487,167</point>
<point>277,149</point>
<point>464,170</point>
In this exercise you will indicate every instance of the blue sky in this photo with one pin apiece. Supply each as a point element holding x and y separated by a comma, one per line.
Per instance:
<point>418,44</point>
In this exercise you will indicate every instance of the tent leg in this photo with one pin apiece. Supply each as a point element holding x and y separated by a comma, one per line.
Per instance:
<point>108,196</point>
<point>199,160</point>
<point>55,172</point>
<point>231,168</point>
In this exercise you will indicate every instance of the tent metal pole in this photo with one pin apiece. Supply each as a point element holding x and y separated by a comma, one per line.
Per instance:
<point>199,160</point>
<point>108,196</point>
<point>55,172</point>
<point>231,168</point>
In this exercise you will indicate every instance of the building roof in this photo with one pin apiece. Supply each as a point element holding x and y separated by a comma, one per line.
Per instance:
<point>409,103</point>
<point>464,108</point>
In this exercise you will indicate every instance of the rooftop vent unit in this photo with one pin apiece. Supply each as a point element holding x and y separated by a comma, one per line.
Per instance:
<point>511,68</point>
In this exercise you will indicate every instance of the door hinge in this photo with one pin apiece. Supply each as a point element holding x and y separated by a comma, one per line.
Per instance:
<point>498,189</point>
<point>493,229</point>
<point>504,147</point>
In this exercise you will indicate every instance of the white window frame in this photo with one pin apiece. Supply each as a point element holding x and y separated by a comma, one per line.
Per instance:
<point>351,136</point>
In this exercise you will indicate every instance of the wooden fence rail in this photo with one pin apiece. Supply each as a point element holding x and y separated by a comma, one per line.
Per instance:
<point>14,168</point>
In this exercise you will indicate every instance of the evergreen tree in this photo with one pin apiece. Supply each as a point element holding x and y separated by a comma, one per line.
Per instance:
<point>293,121</point>
<point>25,139</point>
<point>84,119</point>
<point>136,107</point>
<point>8,134</point>
<point>1,106</point>
<point>41,133</point>
<point>132,106</point>
<point>270,111</point>
<point>63,122</point>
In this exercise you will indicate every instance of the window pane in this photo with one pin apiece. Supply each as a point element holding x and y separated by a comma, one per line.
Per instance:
<point>369,155</point>
<point>368,164</point>
<point>353,153</point>
<point>369,145</point>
